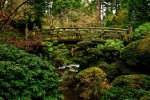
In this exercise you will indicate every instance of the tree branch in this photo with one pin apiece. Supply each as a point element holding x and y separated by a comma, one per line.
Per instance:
<point>11,14</point>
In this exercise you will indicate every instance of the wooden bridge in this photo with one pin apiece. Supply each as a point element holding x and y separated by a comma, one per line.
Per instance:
<point>76,34</point>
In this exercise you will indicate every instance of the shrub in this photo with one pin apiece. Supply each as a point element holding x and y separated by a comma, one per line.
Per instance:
<point>142,31</point>
<point>110,54</point>
<point>87,57</point>
<point>97,40</point>
<point>102,65</point>
<point>115,43</point>
<point>82,61</point>
<point>145,97</point>
<point>138,81</point>
<point>116,69</point>
<point>91,83</point>
<point>85,44</point>
<point>86,54</point>
<point>9,52</point>
<point>28,45</point>
<point>117,93</point>
<point>94,51</point>
<point>111,49</point>
<point>56,52</point>
<point>25,76</point>
<point>117,20</point>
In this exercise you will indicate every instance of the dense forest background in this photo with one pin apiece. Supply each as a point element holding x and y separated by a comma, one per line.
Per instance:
<point>32,65</point>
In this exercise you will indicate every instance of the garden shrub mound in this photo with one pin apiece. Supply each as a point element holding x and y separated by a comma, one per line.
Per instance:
<point>116,69</point>
<point>84,44</point>
<point>129,87</point>
<point>111,49</point>
<point>24,76</point>
<point>138,81</point>
<point>59,53</point>
<point>102,65</point>
<point>88,53</point>
<point>117,93</point>
<point>91,82</point>
<point>137,53</point>
<point>145,97</point>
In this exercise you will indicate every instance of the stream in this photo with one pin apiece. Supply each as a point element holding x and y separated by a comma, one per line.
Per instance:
<point>70,95</point>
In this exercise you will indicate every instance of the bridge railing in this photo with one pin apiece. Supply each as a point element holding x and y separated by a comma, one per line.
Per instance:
<point>78,32</point>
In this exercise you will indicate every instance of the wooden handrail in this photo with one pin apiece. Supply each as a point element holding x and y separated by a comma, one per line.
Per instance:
<point>82,28</point>
<point>81,32</point>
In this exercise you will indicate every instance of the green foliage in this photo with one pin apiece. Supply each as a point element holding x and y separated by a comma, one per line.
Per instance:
<point>111,49</point>
<point>89,7</point>
<point>138,81</point>
<point>85,54</point>
<point>109,19</point>
<point>141,31</point>
<point>39,7</point>
<point>61,6</point>
<point>88,53</point>
<point>116,69</point>
<point>115,43</point>
<point>90,83</point>
<point>73,15</point>
<point>9,34</point>
<point>57,52</point>
<point>10,53</point>
<point>117,93</point>
<point>25,76</point>
<point>130,53</point>
<point>136,15</point>
<point>84,44</point>
<point>117,20</point>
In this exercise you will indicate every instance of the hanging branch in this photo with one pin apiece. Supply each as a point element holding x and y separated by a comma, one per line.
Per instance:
<point>12,13</point>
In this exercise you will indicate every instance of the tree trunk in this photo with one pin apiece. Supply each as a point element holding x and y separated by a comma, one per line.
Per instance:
<point>99,11</point>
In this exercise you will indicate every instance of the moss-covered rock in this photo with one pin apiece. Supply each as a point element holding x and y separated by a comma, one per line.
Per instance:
<point>117,93</point>
<point>138,81</point>
<point>91,83</point>
<point>137,53</point>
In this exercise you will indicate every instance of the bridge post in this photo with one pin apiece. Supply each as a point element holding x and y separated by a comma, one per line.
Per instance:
<point>26,32</point>
<point>72,51</point>
<point>130,30</point>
